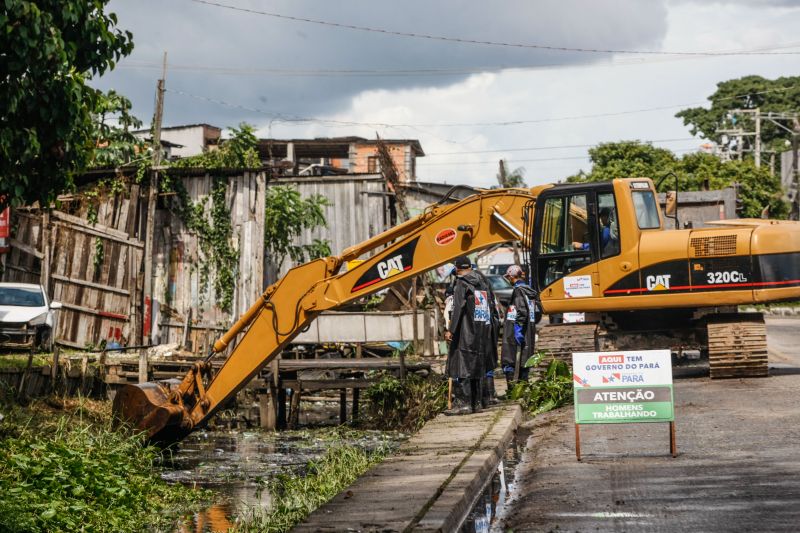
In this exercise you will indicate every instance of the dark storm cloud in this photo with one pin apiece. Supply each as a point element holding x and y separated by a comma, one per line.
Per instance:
<point>211,37</point>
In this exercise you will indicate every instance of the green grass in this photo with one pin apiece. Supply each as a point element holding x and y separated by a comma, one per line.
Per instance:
<point>69,470</point>
<point>295,496</point>
<point>20,360</point>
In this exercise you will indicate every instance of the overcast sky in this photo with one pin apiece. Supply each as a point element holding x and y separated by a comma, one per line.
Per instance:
<point>468,104</point>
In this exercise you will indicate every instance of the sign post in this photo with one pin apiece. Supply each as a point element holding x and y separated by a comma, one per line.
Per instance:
<point>623,387</point>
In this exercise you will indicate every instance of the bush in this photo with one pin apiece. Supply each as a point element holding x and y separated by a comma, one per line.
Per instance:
<point>553,390</point>
<point>406,405</point>
<point>75,473</point>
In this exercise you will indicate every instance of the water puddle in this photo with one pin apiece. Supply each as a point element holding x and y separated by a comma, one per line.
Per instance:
<point>496,494</point>
<point>237,466</point>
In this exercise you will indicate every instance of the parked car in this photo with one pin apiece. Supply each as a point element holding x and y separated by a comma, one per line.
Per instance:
<point>501,287</point>
<point>27,318</point>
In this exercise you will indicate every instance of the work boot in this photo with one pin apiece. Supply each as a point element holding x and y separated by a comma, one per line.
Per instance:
<point>488,394</point>
<point>475,394</point>
<point>461,399</point>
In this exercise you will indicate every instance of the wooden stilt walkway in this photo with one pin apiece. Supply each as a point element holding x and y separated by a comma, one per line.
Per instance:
<point>431,483</point>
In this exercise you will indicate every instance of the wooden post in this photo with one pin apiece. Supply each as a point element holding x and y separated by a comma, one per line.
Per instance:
<point>142,365</point>
<point>23,380</point>
<point>294,409</point>
<point>266,410</point>
<point>45,241</point>
<point>152,195</point>
<point>84,369</point>
<point>359,350</point>
<point>343,406</point>
<point>186,328</point>
<point>281,408</point>
<point>356,394</point>
<point>673,447</point>
<point>578,441</point>
<point>54,368</point>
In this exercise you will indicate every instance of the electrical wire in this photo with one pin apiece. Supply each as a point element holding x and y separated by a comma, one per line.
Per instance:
<point>490,43</point>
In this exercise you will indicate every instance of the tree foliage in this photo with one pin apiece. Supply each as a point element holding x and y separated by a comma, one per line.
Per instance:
<point>287,215</point>
<point>756,188</point>
<point>514,178</point>
<point>49,50</point>
<point>749,92</point>
<point>116,145</point>
<point>237,152</point>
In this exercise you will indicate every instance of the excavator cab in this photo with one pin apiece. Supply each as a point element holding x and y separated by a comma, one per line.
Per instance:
<point>577,232</point>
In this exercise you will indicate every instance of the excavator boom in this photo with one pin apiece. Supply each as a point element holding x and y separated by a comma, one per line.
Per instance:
<point>167,412</point>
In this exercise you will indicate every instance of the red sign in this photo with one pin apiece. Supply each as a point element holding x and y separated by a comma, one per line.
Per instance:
<point>5,230</point>
<point>446,236</point>
<point>611,359</point>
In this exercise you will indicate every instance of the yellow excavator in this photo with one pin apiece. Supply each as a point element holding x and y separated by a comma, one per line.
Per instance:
<point>595,248</point>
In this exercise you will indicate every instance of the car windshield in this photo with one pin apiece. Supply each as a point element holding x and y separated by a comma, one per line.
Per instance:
<point>499,282</point>
<point>21,297</point>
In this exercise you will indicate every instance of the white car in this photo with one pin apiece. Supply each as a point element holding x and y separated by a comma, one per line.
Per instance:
<point>27,318</point>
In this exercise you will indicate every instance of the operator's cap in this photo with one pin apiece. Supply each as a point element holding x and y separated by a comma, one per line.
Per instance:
<point>462,261</point>
<point>514,271</point>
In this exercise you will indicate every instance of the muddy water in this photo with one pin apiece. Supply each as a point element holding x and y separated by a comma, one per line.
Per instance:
<point>237,466</point>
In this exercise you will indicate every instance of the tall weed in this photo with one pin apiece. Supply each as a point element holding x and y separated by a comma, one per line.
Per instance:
<point>73,472</point>
<point>552,390</point>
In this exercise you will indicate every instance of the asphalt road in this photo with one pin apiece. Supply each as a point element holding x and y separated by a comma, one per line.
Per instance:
<point>737,469</point>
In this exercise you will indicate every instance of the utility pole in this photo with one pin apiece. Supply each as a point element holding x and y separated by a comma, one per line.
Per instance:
<point>152,197</point>
<point>757,148</point>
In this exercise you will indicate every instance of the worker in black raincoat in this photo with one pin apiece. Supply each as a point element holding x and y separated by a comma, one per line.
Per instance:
<point>488,394</point>
<point>468,334</point>
<point>519,329</point>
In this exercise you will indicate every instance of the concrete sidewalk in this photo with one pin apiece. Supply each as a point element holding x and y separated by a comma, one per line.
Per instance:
<point>430,484</point>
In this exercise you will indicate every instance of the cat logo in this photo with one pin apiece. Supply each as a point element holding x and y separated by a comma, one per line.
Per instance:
<point>390,267</point>
<point>658,283</point>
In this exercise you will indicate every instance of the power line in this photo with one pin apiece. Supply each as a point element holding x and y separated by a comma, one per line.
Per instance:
<point>534,148</point>
<point>422,162</point>
<point>392,73</point>
<point>488,43</point>
<point>293,119</point>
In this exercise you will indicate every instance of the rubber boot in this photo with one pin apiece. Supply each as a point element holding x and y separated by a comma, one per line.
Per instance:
<point>461,399</point>
<point>488,395</point>
<point>475,394</point>
<point>509,374</point>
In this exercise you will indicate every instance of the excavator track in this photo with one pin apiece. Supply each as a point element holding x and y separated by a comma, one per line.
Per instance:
<point>559,341</point>
<point>737,346</point>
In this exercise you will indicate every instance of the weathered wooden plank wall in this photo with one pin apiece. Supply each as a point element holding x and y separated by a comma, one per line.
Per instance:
<point>90,267</point>
<point>358,209</point>
<point>178,287</point>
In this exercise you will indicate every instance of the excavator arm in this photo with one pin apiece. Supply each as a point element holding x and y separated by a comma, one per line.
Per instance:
<point>168,412</point>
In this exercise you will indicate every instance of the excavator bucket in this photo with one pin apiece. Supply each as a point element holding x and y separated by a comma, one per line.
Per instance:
<point>146,408</point>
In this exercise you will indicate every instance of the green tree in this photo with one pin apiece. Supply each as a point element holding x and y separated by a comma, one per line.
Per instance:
<point>756,188</point>
<point>49,50</point>
<point>749,92</point>
<point>507,180</point>
<point>115,143</point>
<point>287,215</point>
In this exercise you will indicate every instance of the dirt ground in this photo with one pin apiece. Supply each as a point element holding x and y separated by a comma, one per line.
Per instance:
<point>737,467</point>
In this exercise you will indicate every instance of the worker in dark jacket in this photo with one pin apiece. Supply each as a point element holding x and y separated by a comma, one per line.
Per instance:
<point>488,395</point>
<point>469,331</point>
<point>519,330</point>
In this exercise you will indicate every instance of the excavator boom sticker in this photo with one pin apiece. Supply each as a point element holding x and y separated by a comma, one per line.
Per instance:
<point>394,263</point>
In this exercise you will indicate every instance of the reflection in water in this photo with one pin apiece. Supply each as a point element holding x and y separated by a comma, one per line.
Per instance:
<point>495,495</point>
<point>238,465</point>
